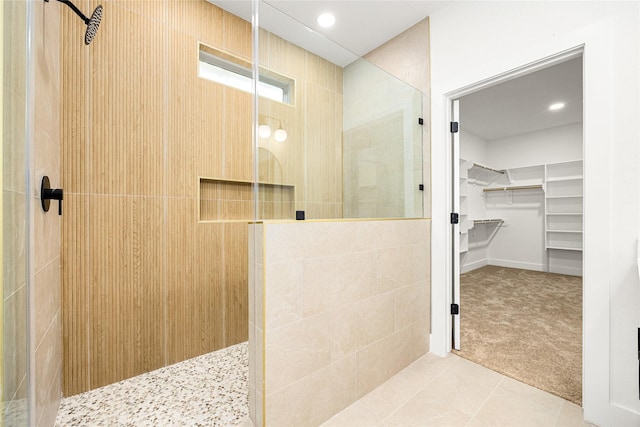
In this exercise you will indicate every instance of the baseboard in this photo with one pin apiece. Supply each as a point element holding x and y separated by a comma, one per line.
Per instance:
<point>473,266</point>
<point>516,264</point>
<point>571,271</point>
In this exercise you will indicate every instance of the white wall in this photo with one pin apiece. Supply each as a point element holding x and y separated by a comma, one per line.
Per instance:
<point>519,242</point>
<point>473,42</point>
<point>472,147</point>
<point>558,144</point>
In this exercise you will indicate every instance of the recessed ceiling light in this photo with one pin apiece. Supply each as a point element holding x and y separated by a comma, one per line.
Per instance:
<point>326,20</point>
<point>556,106</point>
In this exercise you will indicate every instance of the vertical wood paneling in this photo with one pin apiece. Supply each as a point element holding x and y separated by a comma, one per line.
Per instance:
<point>321,164</point>
<point>74,142</point>
<point>75,294</point>
<point>181,279</point>
<point>238,158</point>
<point>126,309</point>
<point>195,318</point>
<point>311,158</point>
<point>237,36</point>
<point>236,297</point>
<point>154,10</point>
<point>278,54</point>
<point>127,105</point>
<point>195,121</point>
<point>210,286</point>
<point>197,18</point>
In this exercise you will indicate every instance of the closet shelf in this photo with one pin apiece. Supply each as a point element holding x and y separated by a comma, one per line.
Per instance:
<point>488,221</point>
<point>564,213</point>
<point>517,187</point>
<point>485,175</point>
<point>565,178</point>
<point>563,206</point>
<point>561,248</point>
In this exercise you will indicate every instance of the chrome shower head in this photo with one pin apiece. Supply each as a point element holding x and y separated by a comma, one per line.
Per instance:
<point>92,23</point>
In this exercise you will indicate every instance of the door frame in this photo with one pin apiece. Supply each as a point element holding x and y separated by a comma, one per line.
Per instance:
<point>453,109</point>
<point>454,138</point>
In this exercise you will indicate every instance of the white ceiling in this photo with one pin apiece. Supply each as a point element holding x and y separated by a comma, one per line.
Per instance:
<point>522,105</point>
<point>517,106</point>
<point>361,26</point>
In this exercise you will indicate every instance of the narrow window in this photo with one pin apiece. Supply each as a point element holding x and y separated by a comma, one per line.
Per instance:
<point>233,72</point>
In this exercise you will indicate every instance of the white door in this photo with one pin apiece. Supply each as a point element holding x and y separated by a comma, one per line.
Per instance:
<point>455,222</point>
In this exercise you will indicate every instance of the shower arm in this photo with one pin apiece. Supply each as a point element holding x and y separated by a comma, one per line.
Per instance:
<point>75,9</point>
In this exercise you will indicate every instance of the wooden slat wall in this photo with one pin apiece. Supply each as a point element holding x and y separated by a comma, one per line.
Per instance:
<point>75,225</point>
<point>145,284</point>
<point>311,157</point>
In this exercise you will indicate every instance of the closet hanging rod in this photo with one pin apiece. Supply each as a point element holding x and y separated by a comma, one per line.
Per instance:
<point>488,168</point>
<point>521,187</point>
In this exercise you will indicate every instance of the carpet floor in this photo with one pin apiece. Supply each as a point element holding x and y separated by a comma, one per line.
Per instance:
<point>526,325</point>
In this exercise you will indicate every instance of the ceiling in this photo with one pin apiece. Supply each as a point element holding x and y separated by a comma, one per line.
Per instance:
<point>514,107</point>
<point>361,26</point>
<point>522,105</point>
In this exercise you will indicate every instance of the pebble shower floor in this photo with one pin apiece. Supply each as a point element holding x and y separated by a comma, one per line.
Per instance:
<point>209,390</point>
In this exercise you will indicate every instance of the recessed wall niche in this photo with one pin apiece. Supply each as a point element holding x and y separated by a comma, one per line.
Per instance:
<point>224,200</point>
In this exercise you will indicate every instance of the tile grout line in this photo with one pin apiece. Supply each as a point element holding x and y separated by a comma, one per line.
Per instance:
<point>487,399</point>
<point>417,392</point>
<point>557,418</point>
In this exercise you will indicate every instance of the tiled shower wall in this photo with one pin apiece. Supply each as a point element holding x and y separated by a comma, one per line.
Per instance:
<point>406,57</point>
<point>13,342</point>
<point>46,256</point>
<point>336,309</point>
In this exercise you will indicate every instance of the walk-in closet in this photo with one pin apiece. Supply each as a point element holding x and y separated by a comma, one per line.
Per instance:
<point>520,192</point>
<point>521,201</point>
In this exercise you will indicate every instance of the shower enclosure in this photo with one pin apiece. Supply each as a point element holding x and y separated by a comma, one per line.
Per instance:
<point>159,169</point>
<point>163,167</point>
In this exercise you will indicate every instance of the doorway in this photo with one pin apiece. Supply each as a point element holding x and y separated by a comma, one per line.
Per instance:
<point>518,194</point>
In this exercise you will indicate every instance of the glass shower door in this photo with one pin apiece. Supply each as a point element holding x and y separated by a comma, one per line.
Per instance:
<point>13,332</point>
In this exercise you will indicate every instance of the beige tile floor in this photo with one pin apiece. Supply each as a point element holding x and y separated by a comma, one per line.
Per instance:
<point>452,391</point>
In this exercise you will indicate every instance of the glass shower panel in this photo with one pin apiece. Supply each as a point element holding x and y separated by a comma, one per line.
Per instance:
<point>346,143</point>
<point>382,144</point>
<point>13,334</point>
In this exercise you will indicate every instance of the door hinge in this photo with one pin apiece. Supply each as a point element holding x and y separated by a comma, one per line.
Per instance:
<point>420,121</point>
<point>455,309</point>
<point>421,187</point>
<point>454,127</point>
<point>454,218</point>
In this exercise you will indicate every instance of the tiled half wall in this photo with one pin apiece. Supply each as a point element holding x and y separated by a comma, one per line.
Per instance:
<point>336,309</point>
